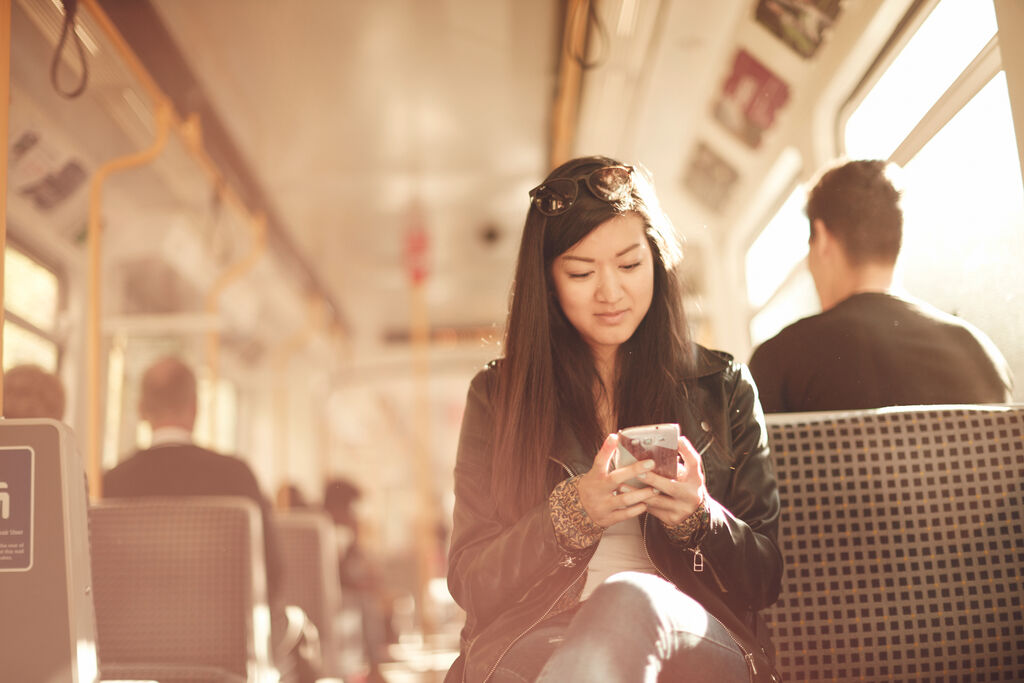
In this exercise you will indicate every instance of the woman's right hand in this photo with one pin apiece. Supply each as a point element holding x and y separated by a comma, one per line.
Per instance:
<point>599,488</point>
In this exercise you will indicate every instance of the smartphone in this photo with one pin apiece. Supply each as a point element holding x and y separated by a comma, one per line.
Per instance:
<point>656,442</point>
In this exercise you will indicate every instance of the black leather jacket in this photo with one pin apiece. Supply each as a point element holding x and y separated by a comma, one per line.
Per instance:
<point>510,578</point>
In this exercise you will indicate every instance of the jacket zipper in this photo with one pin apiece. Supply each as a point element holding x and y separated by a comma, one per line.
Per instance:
<point>566,562</point>
<point>525,631</point>
<point>698,555</point>
<point>748,657</point>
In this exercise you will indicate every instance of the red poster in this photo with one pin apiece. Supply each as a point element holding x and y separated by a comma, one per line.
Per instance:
<point>751,96</point>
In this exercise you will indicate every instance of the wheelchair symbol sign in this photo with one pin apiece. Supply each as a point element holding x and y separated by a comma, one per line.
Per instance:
<point>16,508</point>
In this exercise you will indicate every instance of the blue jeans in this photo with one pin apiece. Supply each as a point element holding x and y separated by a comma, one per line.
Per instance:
<point>634,628</point>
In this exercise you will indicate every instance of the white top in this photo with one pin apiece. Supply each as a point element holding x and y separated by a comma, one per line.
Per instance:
<point>621,549</point>
<point>170,436</point>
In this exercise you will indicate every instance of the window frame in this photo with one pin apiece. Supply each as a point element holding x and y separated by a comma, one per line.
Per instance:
<point>982,69</point>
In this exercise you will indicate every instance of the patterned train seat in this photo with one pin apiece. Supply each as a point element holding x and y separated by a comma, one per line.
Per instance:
<point>902,534</point>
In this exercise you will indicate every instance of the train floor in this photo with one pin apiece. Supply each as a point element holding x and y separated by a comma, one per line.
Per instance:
<point>426,661</point>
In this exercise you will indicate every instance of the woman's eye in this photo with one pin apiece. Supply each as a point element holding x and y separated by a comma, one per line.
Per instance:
<point>578,276</point>
<point>631,266</point>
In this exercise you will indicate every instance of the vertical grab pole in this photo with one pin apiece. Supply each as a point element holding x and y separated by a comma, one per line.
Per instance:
<point>95,236</point>
<point>231,274</point>
<point>570,73</point>
<point>427,532</point>
<point>5,98</point>
<point>417,258</point>
<point>326,436</point>
<point>283,397</point>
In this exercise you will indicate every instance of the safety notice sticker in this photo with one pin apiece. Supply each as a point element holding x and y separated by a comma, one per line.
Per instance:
<point>17,467</point>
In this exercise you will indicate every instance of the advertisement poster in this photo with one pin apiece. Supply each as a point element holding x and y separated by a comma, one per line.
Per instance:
<point>16,491</point>
<point>750,97</point>
<point>709,177</point>
<point>800,24</point>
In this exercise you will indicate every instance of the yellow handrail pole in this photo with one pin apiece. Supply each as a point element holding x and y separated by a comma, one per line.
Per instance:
<point>5,98</point>
<point>563,116</point>
<point>230,275</point>
<point>335,332</point>
<point>131,60</point>
<point>426,538</point>
<point>190,134</point>
<point>282,397</point>
<point>163,129</point>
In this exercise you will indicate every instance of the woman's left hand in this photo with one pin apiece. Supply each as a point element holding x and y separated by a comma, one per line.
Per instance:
<point>678,497</point>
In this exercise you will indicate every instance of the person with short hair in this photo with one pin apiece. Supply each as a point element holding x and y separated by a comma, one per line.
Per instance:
<point>565,571</point>
<point>175,466</point>
<point>32,391</point>
<point>870,347</point>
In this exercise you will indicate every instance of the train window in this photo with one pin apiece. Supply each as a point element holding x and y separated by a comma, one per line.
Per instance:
<point>31,302</point>
<point>779,286</point>
<point>795,299</point>
<point>24,346</point>
<point>777,250</point>
<point>924,69</point>
<point>963,211</point>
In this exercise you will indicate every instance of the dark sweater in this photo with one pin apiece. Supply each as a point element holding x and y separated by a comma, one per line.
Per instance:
<point>187,470</point>
<point>873,350</point>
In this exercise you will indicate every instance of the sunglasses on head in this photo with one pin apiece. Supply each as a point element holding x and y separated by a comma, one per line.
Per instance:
<point>556,196</point>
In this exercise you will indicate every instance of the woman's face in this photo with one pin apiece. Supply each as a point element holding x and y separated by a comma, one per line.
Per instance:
<point>605,282</point>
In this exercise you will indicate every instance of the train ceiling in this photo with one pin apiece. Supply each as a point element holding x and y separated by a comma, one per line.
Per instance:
<point>357,126</point>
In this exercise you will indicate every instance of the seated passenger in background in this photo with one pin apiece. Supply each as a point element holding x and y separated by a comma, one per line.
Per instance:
<point>289,497</point>
<point>870,347</point>
<point>31,391</point>
<point>359,575</point>
<point>174,466</point>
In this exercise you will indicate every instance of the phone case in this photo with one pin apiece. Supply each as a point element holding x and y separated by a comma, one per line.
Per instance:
<point>656,442</point>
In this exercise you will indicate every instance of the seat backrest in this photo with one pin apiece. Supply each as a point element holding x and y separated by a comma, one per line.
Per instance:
<point>901,532</point>
<point>180,582</point>
<point>47,625</point>
<point>310,553</point>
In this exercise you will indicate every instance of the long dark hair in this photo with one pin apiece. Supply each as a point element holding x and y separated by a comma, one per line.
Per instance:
<point>548,373</point>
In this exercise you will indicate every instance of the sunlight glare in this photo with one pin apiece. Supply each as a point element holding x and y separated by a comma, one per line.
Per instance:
<point>952,35</point>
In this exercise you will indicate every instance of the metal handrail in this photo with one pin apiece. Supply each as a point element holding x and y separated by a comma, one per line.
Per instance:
<point>95,241</point>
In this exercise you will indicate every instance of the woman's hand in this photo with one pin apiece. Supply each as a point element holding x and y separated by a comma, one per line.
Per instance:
<point>601,492</point>
<point>680,496</point>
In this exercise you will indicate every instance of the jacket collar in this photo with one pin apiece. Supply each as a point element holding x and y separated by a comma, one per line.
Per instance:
<point>708,362</point>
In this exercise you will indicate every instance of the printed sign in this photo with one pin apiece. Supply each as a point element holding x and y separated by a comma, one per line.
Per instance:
<point>17,481</point>
<point>750,97</point>
<point>709,177</point>
<point>800,24</point>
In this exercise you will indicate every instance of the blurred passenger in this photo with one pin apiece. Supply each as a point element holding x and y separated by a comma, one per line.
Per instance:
<point>31,391</point>
<point>289,497</point>
<point>175,466</point>
<point>564,571</point>
<point>870,347</point>
<point>359,577</point>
